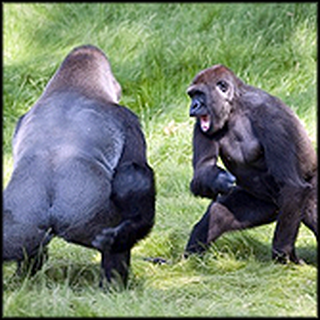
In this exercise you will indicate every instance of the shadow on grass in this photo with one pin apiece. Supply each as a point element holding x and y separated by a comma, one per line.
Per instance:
<point>243,247</point>
<point>75,275</point>
<point>309,254</point>
<point>237,250</point>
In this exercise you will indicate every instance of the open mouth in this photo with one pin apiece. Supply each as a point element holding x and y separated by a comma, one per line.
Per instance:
<point>205,122</point>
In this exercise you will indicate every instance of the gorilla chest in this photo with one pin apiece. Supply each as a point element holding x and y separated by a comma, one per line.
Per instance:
<point>239,146</point>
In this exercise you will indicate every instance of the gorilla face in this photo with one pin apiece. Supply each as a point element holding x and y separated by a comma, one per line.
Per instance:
<point>212,93</point>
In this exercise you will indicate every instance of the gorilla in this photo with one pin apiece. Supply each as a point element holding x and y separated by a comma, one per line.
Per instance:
<point>271,165</point>
<point>80,171</point>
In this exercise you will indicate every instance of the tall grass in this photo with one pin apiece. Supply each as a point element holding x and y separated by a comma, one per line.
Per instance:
<point>155,50</point>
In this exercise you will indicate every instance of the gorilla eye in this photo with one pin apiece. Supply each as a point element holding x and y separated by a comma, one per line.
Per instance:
<point>223,86</point>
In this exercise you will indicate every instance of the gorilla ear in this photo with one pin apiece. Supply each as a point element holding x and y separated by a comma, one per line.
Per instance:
<point>117,90</point>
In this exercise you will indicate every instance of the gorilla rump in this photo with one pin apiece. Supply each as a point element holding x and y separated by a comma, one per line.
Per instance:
<point>272,166</point>
<point>80,170</point>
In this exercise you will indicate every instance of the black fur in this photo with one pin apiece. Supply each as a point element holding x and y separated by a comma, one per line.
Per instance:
<point>80,170</point>
<point>264,146</point>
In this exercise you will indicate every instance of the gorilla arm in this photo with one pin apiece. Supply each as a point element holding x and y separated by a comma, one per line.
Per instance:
<point>208,179</point>
<point>133,193</point>
<point>284,143</point>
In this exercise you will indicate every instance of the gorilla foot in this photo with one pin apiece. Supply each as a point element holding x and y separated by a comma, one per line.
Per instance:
<point>198,248</point>
<point>32,264</point>
<point>284,258</point>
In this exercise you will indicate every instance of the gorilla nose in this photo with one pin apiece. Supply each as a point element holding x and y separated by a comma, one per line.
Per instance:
<point>195,108</point>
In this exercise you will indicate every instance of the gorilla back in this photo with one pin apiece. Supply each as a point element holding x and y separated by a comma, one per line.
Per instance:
<point>80,170</point>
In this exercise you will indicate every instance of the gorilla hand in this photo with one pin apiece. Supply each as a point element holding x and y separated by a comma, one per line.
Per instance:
<point>108,237</point>
<point>224,182</point>
<point>210,181</point>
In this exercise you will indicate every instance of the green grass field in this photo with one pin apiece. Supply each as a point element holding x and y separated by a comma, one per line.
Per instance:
<point>155,50</point>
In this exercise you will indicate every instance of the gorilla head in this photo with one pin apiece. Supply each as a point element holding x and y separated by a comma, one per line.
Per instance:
<point>87,69</point>
<point>212,92</point>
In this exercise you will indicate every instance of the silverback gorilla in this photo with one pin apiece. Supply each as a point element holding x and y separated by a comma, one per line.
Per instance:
<point>272,166</point>
<point>80,170</point>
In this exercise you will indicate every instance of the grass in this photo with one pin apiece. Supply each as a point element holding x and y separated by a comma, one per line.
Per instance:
<point>155,50</point>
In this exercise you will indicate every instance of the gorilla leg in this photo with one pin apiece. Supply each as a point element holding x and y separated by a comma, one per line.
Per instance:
<point>25,232</point>
<point>133,194</point>
<point>33,263</point>
<point>82,206</point>
<point>310,215</point>
<point>310,218</point>
<point>288,223</point>
<point>25,244</point>
<point>198,239</point>
<point>114,268</point>
<point>235,211</point>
